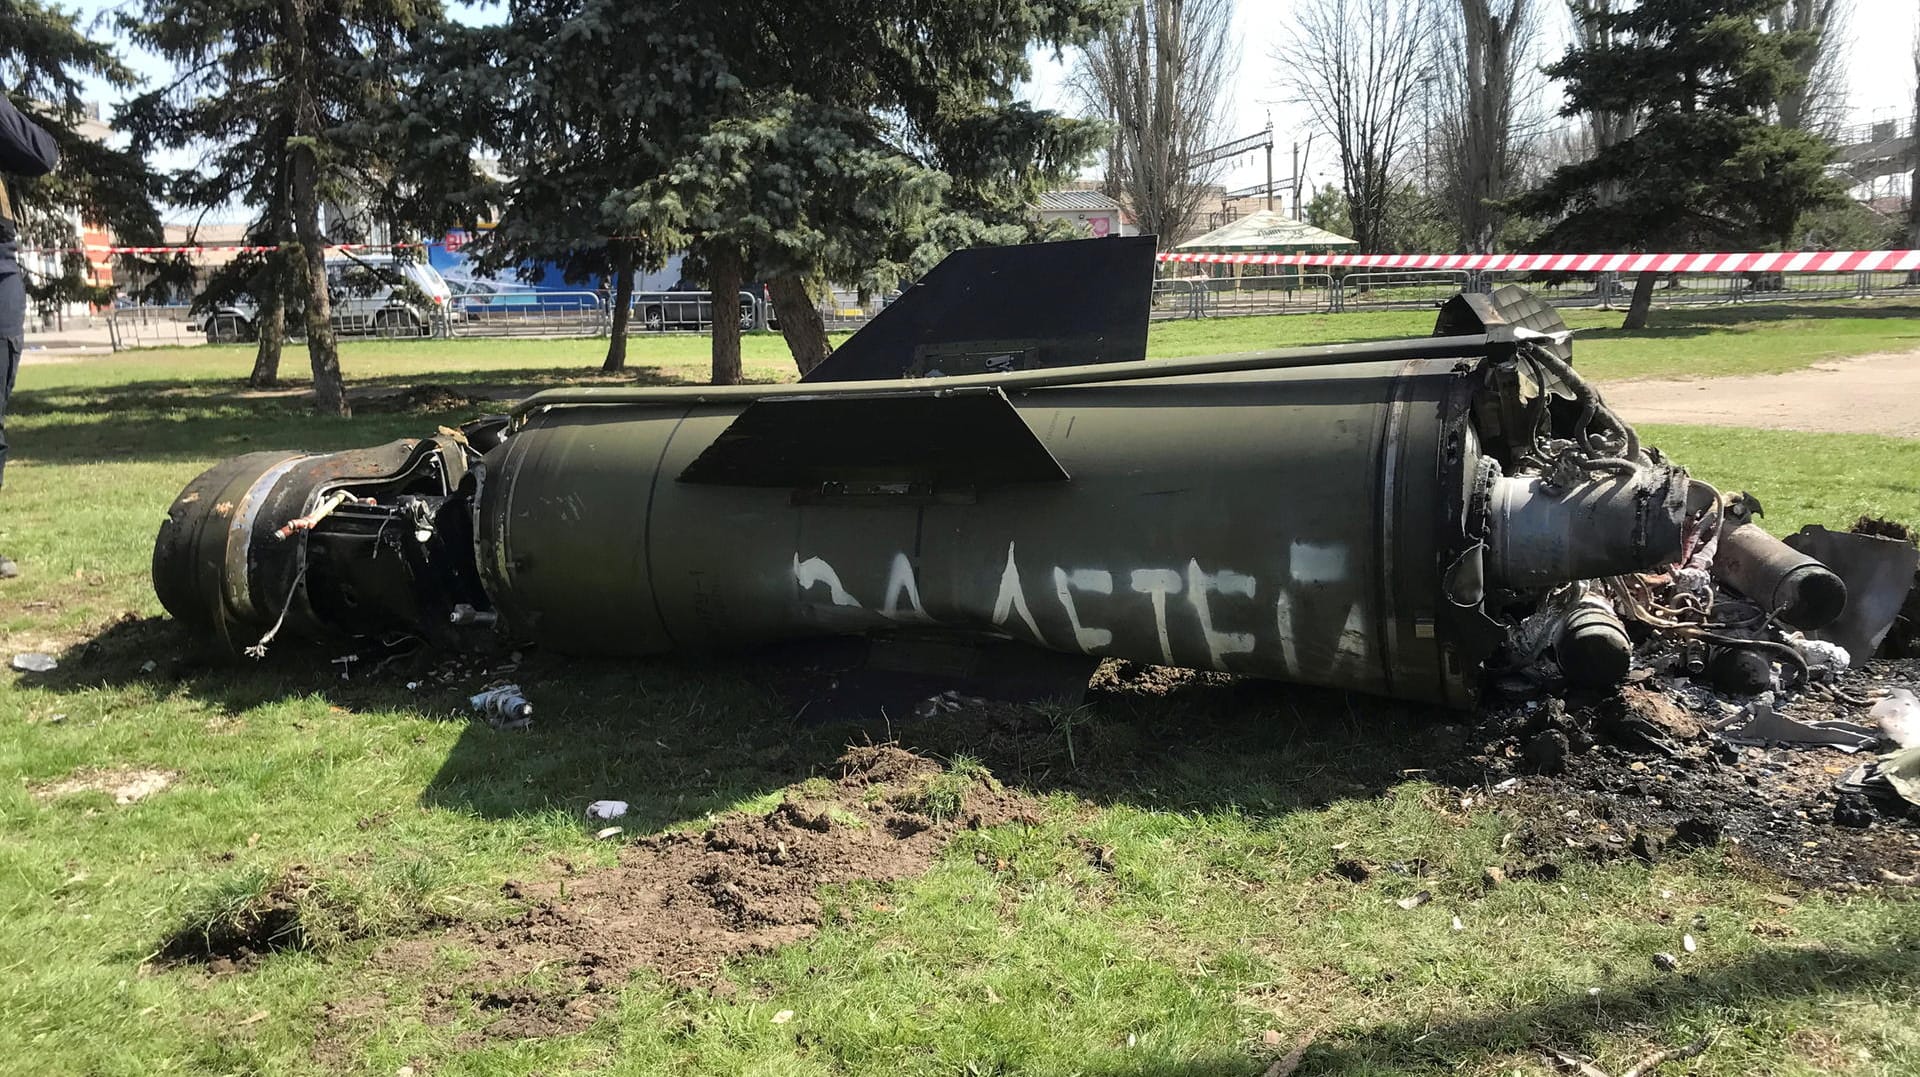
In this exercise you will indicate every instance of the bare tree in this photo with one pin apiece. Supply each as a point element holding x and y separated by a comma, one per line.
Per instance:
<point>1818,105</point>
<point>1160,78</point>
<point>1357,67</point>
<point>1482,63</point>
<point>1603,128</point>
<point>1913,183</point>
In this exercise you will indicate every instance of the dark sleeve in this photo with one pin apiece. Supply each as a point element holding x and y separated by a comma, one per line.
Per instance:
<point>24,148</point>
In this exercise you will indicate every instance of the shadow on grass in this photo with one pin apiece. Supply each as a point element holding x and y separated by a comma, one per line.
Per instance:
<point>676,739</point>
<point>164,420</point>
<point>1573,1022</point>
<point>1684,322</point>
<point>679,737</point>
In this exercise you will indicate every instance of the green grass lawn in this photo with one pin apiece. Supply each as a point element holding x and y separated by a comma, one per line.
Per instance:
<point>1218,919</point>
<point>1688,342</point>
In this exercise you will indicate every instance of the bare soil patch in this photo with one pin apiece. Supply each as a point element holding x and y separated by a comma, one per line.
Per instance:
<point>126,785</point>
<point>1859,395</point>
<point>681,904</point>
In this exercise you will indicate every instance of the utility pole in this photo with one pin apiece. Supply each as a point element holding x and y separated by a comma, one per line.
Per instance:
<point>1296,180</point>
<point>1299,162</point>
<point>1269,175</point>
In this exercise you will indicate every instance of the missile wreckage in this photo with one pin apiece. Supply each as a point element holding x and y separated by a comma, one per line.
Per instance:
<point>992,469</point>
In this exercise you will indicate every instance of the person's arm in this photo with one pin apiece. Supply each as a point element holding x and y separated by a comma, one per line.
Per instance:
<point>25,149</point>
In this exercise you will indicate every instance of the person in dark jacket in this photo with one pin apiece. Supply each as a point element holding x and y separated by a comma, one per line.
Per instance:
<point>25,150</point>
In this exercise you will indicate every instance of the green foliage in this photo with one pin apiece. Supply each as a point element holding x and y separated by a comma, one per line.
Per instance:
<point>1705,168</point>
<point>1849,226</point>
<point>864,140</point>
<point>45,62</point>
<point>233,100</point>
<point>1414,220</point>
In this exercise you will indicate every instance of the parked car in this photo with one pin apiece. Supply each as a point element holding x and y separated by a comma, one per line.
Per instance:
<point>687,305</point>
<point>371,293</point>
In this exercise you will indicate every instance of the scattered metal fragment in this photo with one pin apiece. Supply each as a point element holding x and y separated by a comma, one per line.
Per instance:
<point>606,809</point>
<point>1785,582</point>
<point>1765,726</point>
<point>505,707</point>
<point>1416,900</point>
<point>1878,573</point>
<point>1666,962</point>
<point>1898,716</point>
<point>1901,770</point>
<point>35,662</point>
<point>608,832</point>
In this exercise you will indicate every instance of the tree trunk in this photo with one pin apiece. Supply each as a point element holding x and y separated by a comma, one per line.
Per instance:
<point>622,309</point>
<point>272,329</point>
<point>723,276</point>
<point>800,322</point>
<point>272,324</point>
<point>323,352</point>
<point>1642,301</point>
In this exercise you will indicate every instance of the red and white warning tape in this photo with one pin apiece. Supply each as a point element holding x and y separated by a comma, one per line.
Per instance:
<point>210,248</point>
<point>1748,262</point>
<point>1745,262</point>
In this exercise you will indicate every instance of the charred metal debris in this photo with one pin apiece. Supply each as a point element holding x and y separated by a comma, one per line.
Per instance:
<point>991,466</point>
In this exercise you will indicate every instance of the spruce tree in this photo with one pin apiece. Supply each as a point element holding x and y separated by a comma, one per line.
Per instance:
<point>293,102</point>
<point>1706,167</point>
<point>45,59</point>
<point>859,141</point>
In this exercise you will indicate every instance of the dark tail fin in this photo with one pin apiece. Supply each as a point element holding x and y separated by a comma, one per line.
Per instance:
<point>1009,308</point>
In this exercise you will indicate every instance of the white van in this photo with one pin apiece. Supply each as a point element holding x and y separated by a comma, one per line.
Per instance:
<point>371,293</point>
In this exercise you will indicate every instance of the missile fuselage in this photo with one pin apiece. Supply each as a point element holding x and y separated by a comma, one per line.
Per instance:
<point>1331,516</point>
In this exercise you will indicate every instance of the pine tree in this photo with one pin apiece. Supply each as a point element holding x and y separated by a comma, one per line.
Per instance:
<point>858,140</point>
<point>1705,168</point>
<point>44,61</point>
<point>293,102</point>
<point>577,99</point>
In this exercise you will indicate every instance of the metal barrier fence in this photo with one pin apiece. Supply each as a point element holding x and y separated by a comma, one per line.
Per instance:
<point>152,327</point>
<point>529,313</point>
<point>1198,296</point>
<point>1405,290</point>
<point>1221,297</point>
<point>1276,291</point>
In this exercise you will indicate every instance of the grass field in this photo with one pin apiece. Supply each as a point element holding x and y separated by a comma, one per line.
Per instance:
<point>1215,918</point>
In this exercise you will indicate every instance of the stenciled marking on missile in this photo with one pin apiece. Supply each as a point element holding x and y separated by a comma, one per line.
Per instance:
<point>1093,580</point>
<point>1283,622</point>
<point>900,581</point>
<point>1352,645</point>
<point>1315,562</point>
<point>1158,583</point>
<point>815,570</point>
<point>1226,582</point>
<point>1013,599</point>
<point>1202,589</point>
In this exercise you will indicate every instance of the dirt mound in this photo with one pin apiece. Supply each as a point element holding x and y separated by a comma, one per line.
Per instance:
<point>233,931</point>
<point>682,903</point>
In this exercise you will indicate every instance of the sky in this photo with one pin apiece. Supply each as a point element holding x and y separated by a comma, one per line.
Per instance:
<point>1880,40</point>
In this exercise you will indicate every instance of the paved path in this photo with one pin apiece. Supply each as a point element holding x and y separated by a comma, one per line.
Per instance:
<point>1867,394</point>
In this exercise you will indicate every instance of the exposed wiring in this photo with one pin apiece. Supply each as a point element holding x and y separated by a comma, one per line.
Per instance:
<point>259,649</point>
